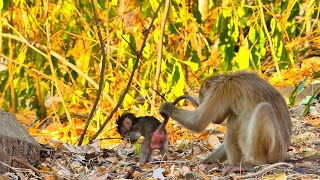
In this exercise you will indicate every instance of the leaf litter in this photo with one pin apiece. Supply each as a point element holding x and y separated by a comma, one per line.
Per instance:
<point>64,161</point>
<point>120,160</point>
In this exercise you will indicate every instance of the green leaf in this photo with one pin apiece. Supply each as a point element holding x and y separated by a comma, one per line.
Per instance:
<point>309,103</point>
<point>138,149</point>
<point>262,43</point>
<point>316,75</point>
<point>101,4</point>
<point>256,42</point>
<point>113,3</point>
<point>226,47</point>
<point>278,45</point>
<point>227,13</point>
<point>253,35</point>
<point>273,25</point>
<point>240,12</point>
<point>128,101</point>
<point>1,4</point>
<point>4,4</point>
<point>193,66</point>
<point>194,61</point>
<point>242,58</point>
<point>133,44</point>
<point>60,110</point>
<point>174,27</point>
<point>297,90</point>
<point>197,14</point>
<point>3,80</point>
<point>291,28</point>
<point>228,29</point>
<point>178,80</point>
<point>43,90</point>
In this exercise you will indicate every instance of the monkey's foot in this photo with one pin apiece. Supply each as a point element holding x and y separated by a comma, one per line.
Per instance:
<point>232,169</point>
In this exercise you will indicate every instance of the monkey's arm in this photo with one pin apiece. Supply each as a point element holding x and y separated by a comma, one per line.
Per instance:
<point>216,105</point>
<point>192,120</point>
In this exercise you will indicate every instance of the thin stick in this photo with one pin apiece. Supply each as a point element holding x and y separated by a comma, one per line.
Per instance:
<point>258,173</point>
<point>131,77</point>
<point>176,162</point>
<point>55,76</point>
<point>102,72</point>
<point>160,95</point>
<point>159,59</point>
<point>275,59</point>
<point>135,51</point>
<point>27,165</point>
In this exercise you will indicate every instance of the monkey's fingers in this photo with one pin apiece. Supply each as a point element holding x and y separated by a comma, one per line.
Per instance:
<point>232,169</point>
<point>166,108</point>
<point>141,139</point>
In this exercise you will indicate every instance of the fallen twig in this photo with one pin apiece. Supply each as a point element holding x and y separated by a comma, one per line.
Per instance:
<point>175,162</point>
<point>262,171</point>
<point>27,165</point>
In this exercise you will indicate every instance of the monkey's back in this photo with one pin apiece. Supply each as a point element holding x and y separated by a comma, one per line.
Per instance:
<point>244,90</point>
<point>149,124</point>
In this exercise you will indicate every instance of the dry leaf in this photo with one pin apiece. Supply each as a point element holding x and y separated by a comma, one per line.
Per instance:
<point>185,170</point>
<point>196,150</point>
<point>214,141</point>
<point>202,167</point>
<point>304,137</point>
<point>157,173</point>
<point>281,176</point>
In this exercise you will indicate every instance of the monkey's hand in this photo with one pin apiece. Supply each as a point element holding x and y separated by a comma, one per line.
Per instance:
<point>141,139</point>
<point>167,109</point>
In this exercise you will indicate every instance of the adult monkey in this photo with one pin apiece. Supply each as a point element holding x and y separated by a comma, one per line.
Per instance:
<point>258,121</point>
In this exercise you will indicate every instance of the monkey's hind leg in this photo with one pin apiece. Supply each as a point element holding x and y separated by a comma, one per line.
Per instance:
<point>164,150</point>
<point>145,153</point>
<point>264,143</point>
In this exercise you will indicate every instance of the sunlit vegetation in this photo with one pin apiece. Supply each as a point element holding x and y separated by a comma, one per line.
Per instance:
<point>51,56</point>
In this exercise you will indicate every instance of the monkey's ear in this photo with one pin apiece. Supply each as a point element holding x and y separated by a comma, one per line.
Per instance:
<point>207,84</point>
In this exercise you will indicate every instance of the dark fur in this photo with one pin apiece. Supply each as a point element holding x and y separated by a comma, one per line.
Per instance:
<point>122,118</point>
<point>144,126</point>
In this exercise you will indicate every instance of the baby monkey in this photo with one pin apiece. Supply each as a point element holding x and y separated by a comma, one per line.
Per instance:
<point>132,128</point>
<point>153,131</point>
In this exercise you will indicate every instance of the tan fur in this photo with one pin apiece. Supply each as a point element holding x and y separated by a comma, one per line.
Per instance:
<point>258,121</point>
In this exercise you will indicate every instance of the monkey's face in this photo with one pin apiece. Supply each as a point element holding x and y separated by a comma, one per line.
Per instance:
<point>125,126</point>
<point>125,122</point>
